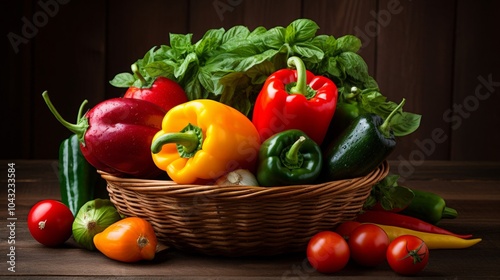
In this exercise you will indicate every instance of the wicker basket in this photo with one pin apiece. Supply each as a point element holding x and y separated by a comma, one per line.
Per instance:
<point>240,220</point>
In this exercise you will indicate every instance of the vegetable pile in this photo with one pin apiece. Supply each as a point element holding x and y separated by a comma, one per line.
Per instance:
<point>268,108</point>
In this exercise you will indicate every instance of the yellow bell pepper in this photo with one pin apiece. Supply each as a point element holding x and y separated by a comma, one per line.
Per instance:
<point>202,140</point>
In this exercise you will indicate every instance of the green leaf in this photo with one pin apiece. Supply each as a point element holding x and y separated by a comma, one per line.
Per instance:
<point>354,65</point>
<point>399,197</point>
<point>389,194</point>
<point>259,73</point>
<point>300,30</point>
<point>181,43</point>
<point>159,68</point>
<point>210,81</point>
<point>251,61</point>
<point>405,123</point>
<point>122,80</point>
<point>325,43</point>
<point>181,69</point>
<point>348,43</point>
<point>335,69</point>
<point>308,52</point>
<point>193,88</point>
<point>210,41</point>
<point>149,56</point>
<point>274,38</point>
<point>235,33</point>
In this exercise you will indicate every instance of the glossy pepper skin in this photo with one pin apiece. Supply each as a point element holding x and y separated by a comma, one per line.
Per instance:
<point>399,220</point>
<point>362,146</point>
<point>129,240</point>
<point>295,99</point>
<point>289,157</point>
<point>432,240</point>
<point>115,135</point>
<point>429,207</point>
<point>77,178</point>
<point>201,140</point>
<point>162,92</point>
<point>346,111</point>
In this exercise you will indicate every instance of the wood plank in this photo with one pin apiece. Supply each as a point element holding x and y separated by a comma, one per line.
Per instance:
<point>134,28</point>
<point>15,76</point>
<point>69,63</point>
<point>339,18</point>
<point>415,61</point>
<point>476,83</point>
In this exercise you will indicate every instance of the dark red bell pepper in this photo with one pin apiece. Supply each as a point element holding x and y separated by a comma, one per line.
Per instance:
<point>394,219</point>
<point>295,99</point>
<point>115,135</point>
<point>162,92</point>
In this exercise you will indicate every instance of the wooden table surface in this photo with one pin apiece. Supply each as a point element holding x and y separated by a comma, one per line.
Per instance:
<point>473,188</point>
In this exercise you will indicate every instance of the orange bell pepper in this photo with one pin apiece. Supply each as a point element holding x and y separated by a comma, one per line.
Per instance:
<point>202,140</point>
<point>129,240</point>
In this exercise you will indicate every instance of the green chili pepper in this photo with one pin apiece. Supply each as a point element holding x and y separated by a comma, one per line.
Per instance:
<point>77,178</point>
<point>289,158</point>
<point>429,207</point>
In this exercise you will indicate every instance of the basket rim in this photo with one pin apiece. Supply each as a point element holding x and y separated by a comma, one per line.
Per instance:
<point>230,191</point>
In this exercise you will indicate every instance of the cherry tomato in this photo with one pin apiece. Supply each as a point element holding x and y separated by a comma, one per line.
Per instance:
<point>407,254</point>
<point>327,252</point>
<point>368,244</point>
<point>50,222</point>
<point>345,228</point>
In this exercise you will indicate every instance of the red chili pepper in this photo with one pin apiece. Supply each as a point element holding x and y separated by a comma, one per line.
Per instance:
<point>115,135</point>
<point>394,219</point>
<point>162,92</point>
<point>295,99</point>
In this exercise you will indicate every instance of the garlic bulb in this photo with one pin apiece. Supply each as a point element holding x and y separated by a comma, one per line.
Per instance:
<point>242,177</point>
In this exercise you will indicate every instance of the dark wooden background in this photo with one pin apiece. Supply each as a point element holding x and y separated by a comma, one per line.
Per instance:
<point>442,56</point>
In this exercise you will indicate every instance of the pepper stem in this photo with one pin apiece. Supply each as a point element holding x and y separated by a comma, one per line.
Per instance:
<point>292,158</point>
<point>301,86</point>
<point>136,72</point>
<point>189,140</point>
<point>385,127</point>
<point>82,123</point>
<point>449,213</point>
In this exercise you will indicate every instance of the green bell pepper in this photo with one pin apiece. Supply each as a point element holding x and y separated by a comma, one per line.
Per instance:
<point>289,158</point>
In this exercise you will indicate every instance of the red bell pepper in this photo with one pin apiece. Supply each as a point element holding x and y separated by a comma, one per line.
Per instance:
<point>394,219</point>
<point>162,92</point>
<point>115,135</point>
<point>295,99</point>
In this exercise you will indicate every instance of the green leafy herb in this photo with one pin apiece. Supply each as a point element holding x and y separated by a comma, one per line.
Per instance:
<point>389,194</point>
<point>231,66</point>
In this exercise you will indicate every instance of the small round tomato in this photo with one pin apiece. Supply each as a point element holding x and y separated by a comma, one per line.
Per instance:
<point>50,222</point>
<point>407,255</point>
<point>327,252</point>
<point>368,244</point>
<point>345,228</point>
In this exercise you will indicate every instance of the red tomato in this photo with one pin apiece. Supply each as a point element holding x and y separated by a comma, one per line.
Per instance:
<point>327,252</point>
<point>407,254</point>
<point>345,228</point>
<point>368,244</point>
<point>50,222</point>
